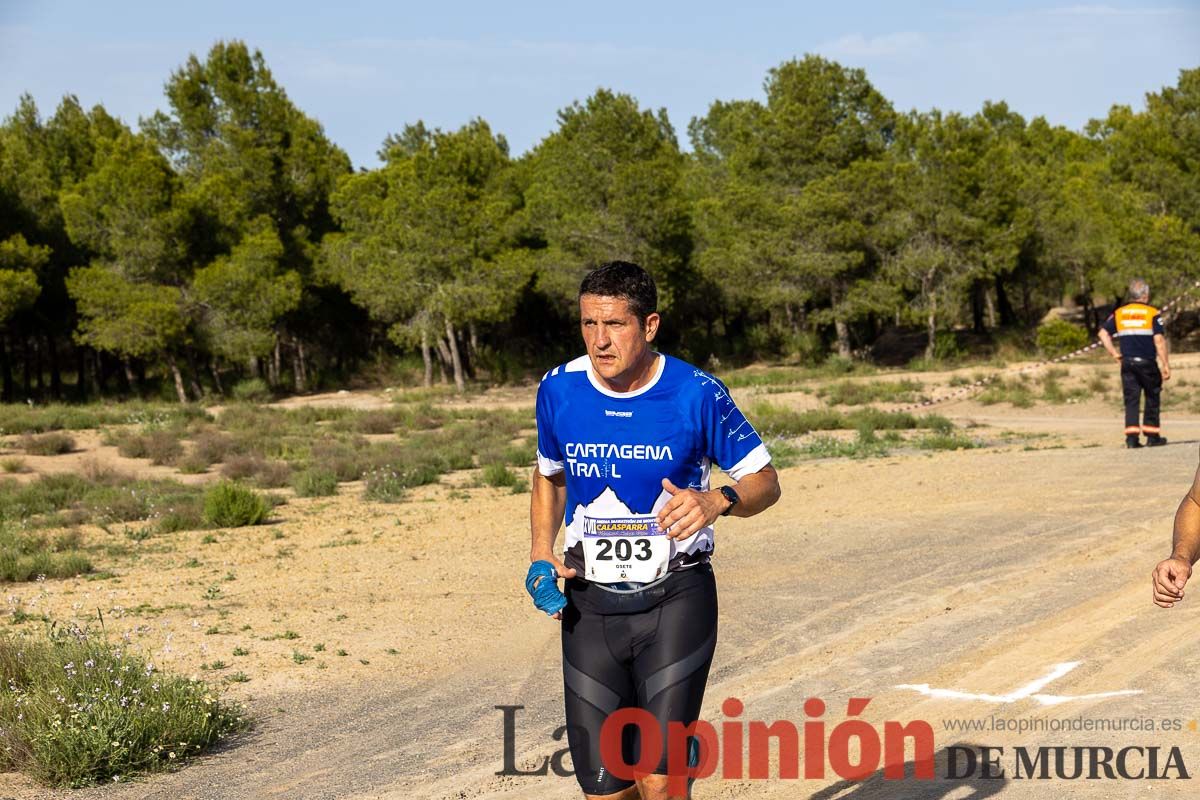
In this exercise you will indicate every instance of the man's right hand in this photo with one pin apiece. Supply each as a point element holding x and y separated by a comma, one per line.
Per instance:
<point>1168,580</point>
<point>562,570</point>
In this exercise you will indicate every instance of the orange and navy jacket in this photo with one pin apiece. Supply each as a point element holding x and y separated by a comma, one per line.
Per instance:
<point>1134,326</point>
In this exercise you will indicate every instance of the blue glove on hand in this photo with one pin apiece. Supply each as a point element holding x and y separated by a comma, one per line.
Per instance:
<point>542,584</point>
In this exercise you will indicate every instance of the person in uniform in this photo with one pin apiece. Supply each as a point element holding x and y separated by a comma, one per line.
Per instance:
<point>626,438</point>
<point>1138,327</point>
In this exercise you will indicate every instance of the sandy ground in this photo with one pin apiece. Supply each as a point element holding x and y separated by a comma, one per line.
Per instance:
<point>972,570</point>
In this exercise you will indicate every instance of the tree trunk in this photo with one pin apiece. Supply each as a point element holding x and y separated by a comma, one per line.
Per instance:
<point>298,366</point>
<point>194,375</point>
<point>990,306</point>
<point>55,373</point>
<point>1007,317</point>
<point>6,392</point>
<point>303,363</point>
<point>81,388</point>
<point>931,328</point>
<point>843,337</point>
<point>130,378</point>
<point>39,387</point>
<point>443,358</point>
<point>459,384</point>
<point>255,367</point>
<point>977,303</point>
<point>179,390</point>
<point>216,376</point>
<point>276,362</point>
<point>427,357</point>
<point>474,340</point>
<point>28,367</point>
<point>464,355</point>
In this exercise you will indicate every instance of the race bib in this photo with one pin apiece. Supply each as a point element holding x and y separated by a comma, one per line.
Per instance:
<point>624,549</point>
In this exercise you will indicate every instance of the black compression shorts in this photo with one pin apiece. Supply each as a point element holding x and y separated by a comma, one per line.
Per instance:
<point>649,649</point>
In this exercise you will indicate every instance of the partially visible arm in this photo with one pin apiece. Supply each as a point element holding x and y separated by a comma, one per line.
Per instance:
<point>757,492</point>
<point>1160,344</point>
<point>546,509</point>
<point>1107,340</point>
<point>1171,575</point>
<point>689,510</point>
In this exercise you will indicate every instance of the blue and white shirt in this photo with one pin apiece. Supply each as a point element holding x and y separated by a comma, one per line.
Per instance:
<point>616,447</point>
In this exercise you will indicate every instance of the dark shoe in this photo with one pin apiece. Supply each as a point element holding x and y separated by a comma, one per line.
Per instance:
<point>1155,441</point>
<point>1132,442</point>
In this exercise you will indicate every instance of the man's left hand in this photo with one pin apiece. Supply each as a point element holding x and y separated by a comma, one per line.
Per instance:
<point>688,510</point>
<point>1166,373</point>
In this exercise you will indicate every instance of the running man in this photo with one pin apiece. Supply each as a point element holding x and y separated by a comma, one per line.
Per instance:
<point>626,437</point>
<point>1139,327</point>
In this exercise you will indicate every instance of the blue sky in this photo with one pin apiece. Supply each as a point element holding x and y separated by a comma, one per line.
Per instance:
<point>364,69</point>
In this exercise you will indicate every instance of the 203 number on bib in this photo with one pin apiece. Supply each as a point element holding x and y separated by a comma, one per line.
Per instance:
<point>629,549</point>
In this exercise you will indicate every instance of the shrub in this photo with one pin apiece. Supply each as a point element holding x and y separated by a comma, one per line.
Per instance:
<point>77,711</point>
<point>1056,337</point>
<point>13,465</point>
<point>47,444</point>
<point>849,393</point>
<point>344,459</point>
<point>946,441</point>
<point>267,474</point>
<point>130,445</point>
<point>192,464</point>
<point>273,475</point>
<point>315,482</point>
<point>162,447</point>
<point>377,422</point>
<point>388,484</point>
<point>231,505</point>
<point>212,447</point>
<point>24,556</point>
<point>498,475</point>
<point>251,390</point>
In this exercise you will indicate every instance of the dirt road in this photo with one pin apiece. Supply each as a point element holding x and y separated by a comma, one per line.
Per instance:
<point>977,571</point>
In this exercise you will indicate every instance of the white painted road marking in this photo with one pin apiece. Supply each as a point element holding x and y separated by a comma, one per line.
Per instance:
<point>1030,690</point>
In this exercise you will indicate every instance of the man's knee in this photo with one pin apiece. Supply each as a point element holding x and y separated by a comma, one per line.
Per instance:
<point>656,787</point>
<point>625,794</point>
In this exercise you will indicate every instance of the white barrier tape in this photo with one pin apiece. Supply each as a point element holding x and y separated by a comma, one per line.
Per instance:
<point>971,387</point>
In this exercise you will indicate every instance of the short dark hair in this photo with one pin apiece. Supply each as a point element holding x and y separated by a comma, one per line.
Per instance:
<point>625,280</point>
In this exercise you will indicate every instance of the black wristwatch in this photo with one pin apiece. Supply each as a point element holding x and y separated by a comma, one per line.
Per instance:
<point>731,496</point>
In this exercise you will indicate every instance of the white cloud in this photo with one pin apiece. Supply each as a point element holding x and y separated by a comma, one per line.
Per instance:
<point>890,44</point>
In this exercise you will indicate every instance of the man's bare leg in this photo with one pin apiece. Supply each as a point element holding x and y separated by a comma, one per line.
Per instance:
<point>654,787</point>
<point>625,794</point>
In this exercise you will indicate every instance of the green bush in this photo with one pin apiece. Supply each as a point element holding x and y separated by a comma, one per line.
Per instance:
<point>251,390</point>
<point>13,465</point>
<point>849,393</point>
<point>498,475</point>
<point>1057,337</point>
<point>162,447</point>
<point>315,482</point>
<point>388,484</point>
<point>231,505</point>
<point>212,446</point>
<point>25,556</point>
<point>76,711</point>
<point>48,444</point>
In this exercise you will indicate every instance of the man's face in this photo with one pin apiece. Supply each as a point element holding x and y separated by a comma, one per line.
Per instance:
<point>616,342</point>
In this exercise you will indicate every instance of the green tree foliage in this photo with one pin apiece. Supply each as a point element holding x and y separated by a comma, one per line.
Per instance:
<point>249,159</point>
<point>19,265</point>
<point>607,185</point>
<point>426,246</point>
<point>787,191</point>
<point>230,233</point>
